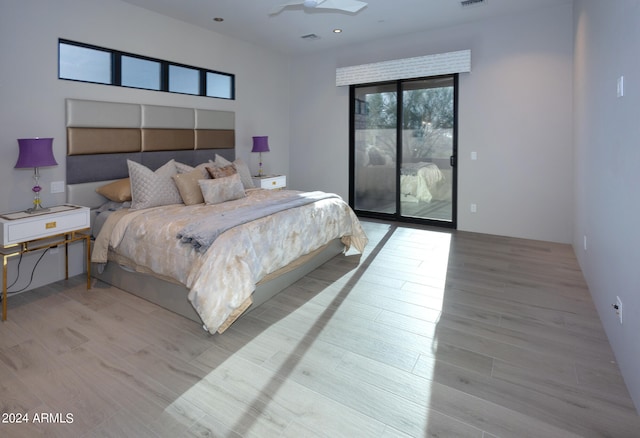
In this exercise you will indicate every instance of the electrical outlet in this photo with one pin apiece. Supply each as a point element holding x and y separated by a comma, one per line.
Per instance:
<point>473,208</point>
<point>618,307</point>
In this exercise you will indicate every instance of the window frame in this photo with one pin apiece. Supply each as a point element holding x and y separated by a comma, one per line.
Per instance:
<point>116,71</point>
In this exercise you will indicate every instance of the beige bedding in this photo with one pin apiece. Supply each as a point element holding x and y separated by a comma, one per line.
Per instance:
<point>378,180</point>
<point>222,279</point>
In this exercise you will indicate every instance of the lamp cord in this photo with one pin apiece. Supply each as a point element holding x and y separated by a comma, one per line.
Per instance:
<point>33,271</point>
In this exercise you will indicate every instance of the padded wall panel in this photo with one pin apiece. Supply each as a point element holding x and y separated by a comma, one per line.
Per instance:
<point>167,139</point>
<point>204,155</point>
<point>85,194</point>
<point>101,136</point>
<point>215,139</point>
<point>168,117</point>
<point>88,168</point>
<point>154,160</point>
<point>212,119</point>
<point>96,114</point>
<point>102,140</point>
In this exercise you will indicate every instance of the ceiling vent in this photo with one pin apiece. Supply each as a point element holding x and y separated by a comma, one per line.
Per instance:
<point>469,3</point>
<point>310,37</point>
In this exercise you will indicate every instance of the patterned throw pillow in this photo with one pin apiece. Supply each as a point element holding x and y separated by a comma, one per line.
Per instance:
<point>221,172</point>
<point>240,166</point>
<point>219,190</point>
<point>152,189</point>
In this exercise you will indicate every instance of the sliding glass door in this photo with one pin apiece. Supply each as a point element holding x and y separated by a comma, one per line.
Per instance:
<point>403,150</point>
<point>375,121</point>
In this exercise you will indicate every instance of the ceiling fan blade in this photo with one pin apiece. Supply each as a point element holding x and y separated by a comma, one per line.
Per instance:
<point>279,8</point>
<point>343,5</point>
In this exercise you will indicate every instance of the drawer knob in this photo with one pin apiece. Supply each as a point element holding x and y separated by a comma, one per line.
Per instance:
<point>50,225</point>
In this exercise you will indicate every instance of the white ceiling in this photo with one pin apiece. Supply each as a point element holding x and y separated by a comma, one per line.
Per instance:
<point>249,20</point>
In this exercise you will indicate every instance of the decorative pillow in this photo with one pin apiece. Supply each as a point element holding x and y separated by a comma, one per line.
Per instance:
<point>244,172</point>
<point>220,190</point>
<point>182,168</point>
<point>152,189</point>
<point>117,191</point>
<point>221,172</point>
<point>188,187</point>
<point>221,161</point>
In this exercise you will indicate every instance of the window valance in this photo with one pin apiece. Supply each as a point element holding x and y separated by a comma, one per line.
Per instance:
<point>421,66</point>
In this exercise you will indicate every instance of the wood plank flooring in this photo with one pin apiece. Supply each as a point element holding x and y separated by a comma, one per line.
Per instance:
<point>428,334</point>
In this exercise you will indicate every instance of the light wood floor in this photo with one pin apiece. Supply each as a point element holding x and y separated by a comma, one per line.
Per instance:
<point>432,333</point>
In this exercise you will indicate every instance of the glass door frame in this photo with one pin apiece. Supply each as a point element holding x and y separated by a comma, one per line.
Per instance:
<point>397,216</point>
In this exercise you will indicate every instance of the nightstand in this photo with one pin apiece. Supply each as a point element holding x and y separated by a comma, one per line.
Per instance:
<point>22,232</point>
<point>270,182</point>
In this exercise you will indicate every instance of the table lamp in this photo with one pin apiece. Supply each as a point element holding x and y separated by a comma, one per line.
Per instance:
<point>260,144</point>
<point>35,153</point>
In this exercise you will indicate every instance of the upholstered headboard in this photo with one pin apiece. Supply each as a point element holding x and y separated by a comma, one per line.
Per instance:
<point>102,136</point>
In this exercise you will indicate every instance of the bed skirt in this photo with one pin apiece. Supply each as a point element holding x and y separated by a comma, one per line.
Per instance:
<point>173,296</point>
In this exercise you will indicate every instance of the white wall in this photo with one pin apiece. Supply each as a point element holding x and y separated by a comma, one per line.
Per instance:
<point>607,179</point>
<point>515,111</point>
<point>32,97</point>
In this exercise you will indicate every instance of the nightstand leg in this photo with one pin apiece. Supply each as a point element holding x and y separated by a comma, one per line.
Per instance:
<point>4,288</point>
<point>88,262</point>
<point>66,260</point>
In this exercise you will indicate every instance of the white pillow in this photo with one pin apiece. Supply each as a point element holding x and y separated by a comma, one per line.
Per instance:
<point>244,172</point>
<point>185,168</point>
<point>152,189</point>
<point>220,190</point>
<point>221,161</point>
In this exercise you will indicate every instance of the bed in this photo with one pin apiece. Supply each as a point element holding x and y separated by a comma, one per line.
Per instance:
<point>208,261</point>
<point>376,173</point>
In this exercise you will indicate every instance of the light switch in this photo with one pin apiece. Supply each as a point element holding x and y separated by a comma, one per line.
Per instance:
<point>621,86</point>
<point>57,186</point>
<point>474,155</point>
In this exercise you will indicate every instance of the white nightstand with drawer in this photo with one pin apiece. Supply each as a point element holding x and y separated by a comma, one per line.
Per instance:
<point>270,182</point>
<point>22,232</point>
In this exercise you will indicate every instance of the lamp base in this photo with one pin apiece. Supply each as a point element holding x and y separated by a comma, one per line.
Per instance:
<point>38,209</point>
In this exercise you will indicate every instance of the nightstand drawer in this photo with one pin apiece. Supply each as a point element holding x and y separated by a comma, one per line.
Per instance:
<point>38,226</point>
<point>271,182</point>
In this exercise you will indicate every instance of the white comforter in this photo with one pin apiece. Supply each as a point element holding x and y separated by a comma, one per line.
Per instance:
<point>222,279</point>
<point>378,181</point>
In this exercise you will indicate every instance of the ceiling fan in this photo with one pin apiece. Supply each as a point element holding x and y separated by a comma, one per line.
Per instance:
<point>339,5</point>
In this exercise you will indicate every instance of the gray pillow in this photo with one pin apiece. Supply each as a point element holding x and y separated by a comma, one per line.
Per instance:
<point>221,161</point>
<point>244,172</point>
<point>220,190</point>
<point>153,189</point>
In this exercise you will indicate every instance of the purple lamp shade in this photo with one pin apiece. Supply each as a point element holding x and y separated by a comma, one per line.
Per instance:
<point>260,144</point>
<point>35,152</point>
